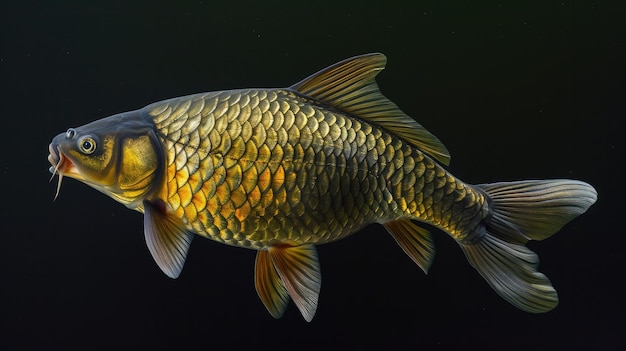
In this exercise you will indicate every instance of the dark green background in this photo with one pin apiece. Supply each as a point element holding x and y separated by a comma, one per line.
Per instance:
<point>514,91</point>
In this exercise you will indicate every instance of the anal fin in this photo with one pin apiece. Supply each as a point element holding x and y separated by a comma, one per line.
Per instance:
<point>167,238</point>
<point>416,241</point>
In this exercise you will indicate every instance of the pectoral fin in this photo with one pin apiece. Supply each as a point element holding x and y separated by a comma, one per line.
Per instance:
<point>167,238</point>
<point>292,270</point>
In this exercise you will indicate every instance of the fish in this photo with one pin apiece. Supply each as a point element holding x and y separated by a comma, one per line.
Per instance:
<point>282,170</point>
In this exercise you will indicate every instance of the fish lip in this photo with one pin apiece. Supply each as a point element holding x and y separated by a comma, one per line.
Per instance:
<point>53,157</point>
<point>61,164</point>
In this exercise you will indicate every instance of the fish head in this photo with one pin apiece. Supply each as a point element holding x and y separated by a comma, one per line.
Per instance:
<point>118,155</point>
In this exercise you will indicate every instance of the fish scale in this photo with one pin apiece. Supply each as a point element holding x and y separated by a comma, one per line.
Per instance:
<point>290,176</point>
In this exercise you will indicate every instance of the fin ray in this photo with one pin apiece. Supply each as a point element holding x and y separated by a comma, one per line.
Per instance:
<point>416,241</point>
<point>299,269</point>
<point>350,86</point>
<point>167,239</point>
<point>550,204</point>
<point>511,270</point>
<point>522,211</point>
<point>269,286</point>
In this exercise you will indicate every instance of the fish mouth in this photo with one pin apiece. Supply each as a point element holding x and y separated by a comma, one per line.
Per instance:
<point>60,165</point>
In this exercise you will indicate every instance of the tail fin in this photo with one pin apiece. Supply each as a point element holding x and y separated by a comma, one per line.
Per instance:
<point>522,211</point>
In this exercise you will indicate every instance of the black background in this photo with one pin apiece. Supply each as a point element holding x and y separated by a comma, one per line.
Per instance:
<point>514,91</point>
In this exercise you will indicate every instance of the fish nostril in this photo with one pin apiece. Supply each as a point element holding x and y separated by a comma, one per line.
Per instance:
<point>70,133</point>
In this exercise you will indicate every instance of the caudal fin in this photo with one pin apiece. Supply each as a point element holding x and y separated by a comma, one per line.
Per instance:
<point>522,211</point>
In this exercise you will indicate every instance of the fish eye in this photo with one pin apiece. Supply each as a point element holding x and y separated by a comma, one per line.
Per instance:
<point>87,145</point>
<point>70,133</point>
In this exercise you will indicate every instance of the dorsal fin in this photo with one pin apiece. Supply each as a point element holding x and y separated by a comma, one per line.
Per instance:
<point>350,86</point>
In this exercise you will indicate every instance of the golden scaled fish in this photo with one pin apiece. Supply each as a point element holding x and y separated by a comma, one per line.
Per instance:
<point>283,170</point>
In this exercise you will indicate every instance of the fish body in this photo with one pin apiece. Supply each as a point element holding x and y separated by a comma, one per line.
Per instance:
<point>254,168</point>
<point>282,170</point>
